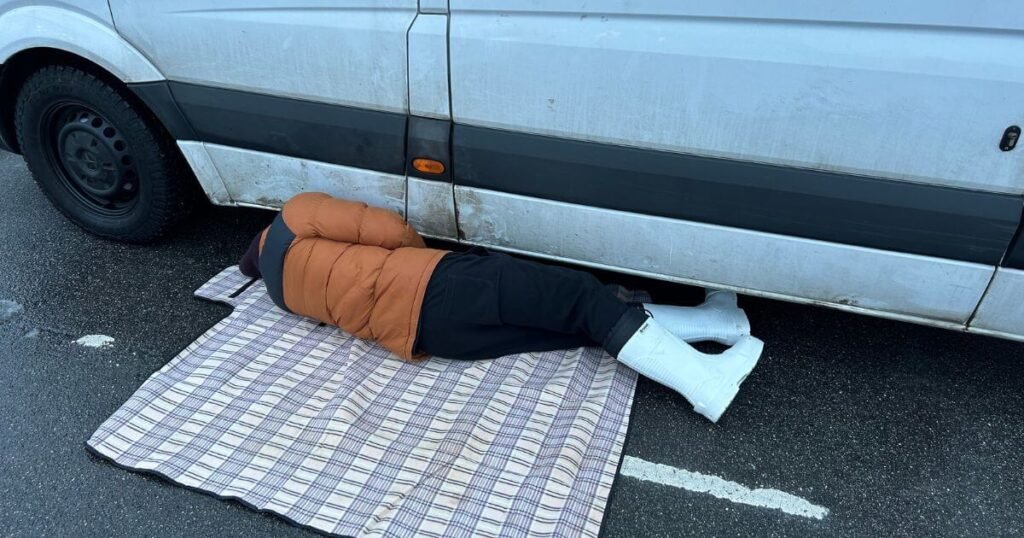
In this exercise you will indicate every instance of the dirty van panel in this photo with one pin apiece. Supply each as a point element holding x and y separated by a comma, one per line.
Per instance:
<point>285,96</point>
<point>260,179</point>
<point>346,52</point>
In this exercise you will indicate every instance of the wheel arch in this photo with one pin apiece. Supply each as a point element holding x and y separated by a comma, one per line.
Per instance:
<point>33,37</point>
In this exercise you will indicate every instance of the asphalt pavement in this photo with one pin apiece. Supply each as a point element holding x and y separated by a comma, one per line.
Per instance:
<point>895,429</point>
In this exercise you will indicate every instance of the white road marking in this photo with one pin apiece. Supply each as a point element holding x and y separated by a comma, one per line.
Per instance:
<point>9,309</point>
<point>720,487</point>
<point>95,340</point>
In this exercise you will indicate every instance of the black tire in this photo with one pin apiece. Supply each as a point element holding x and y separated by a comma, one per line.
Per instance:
<point>102,160</point>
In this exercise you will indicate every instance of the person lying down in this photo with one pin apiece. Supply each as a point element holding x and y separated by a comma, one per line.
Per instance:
<point>368,272</point>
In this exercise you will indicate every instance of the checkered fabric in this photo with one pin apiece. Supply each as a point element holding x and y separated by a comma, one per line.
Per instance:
<point>335,433</point>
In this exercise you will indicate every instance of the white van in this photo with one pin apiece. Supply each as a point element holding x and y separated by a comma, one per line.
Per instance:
<point>860,155</point>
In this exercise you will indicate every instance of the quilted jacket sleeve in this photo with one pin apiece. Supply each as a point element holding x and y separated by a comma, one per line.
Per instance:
<point>319,215</point>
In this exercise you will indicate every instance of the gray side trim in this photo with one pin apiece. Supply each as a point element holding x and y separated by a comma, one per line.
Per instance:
<point>885,214</point>
<point>430,138</point>
<point>279,238</point>
<point>157,96</point>
<point>1015,254</point>
<point>880,213</point>
<point>334,134</point>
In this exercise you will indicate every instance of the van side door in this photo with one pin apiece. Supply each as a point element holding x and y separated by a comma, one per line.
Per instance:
<point>842,154</point>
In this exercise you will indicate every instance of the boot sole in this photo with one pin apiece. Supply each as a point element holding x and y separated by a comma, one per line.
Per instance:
<point>724,395</point>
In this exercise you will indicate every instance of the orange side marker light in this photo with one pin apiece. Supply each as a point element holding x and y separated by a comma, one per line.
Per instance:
<point>428,166</point>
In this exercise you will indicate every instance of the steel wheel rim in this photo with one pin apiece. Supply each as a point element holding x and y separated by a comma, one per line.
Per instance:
<point>91,158</point>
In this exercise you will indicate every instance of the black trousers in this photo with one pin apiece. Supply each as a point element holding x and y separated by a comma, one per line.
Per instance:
<point>481,305</point>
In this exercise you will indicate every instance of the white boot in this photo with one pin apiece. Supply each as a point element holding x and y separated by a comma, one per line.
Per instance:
<point>719,319</point>
<point>709,382</point>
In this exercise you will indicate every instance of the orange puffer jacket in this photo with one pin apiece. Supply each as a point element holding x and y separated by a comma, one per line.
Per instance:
<point>360,268</point>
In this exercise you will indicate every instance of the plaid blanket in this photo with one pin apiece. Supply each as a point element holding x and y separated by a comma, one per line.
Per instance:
<point>300,419</point>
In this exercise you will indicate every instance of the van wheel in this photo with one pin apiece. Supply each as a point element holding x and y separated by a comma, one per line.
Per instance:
<point>104,161</point>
